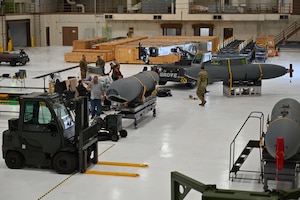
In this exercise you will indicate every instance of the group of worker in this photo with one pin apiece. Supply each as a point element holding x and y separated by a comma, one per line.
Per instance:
<point>95,90</point>
<point>100,65</point>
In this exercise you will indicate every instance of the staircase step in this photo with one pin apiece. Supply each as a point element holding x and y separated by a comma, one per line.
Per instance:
<point>253,143</point>
<point>235,169</point>
<point>240,160</point>
<point>246,151</point>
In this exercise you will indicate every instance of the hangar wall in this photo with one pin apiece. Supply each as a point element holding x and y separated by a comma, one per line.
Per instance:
<point>152,28</point>
<point>242,29</point>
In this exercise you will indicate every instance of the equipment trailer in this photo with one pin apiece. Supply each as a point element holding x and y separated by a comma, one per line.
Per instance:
<point>45,135</point>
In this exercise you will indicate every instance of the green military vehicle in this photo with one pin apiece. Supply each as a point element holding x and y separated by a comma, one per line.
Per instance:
<point>46,136</point>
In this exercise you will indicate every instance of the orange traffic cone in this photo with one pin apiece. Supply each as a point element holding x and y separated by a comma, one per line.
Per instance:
<point>276,52</point>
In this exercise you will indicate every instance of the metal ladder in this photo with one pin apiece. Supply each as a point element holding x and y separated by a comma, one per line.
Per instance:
<point>235,164</point>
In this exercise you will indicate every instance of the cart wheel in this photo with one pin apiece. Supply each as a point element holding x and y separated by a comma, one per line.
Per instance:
<point>135,125</point>
<point>114,137</point>
<point>154,113</point>
<point>123,133</point>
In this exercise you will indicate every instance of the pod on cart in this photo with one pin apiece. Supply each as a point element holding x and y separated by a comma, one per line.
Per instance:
<point>134,88</point>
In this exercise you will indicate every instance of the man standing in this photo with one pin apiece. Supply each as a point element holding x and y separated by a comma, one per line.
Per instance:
<point>83,67</point>
<point>100,63</point>
<point>97,95</point>
<point>201,85</point>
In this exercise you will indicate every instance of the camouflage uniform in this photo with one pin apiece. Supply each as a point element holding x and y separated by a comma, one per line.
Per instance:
<point>100,63</point>
<point>83,68</point>
<point>201,85</point>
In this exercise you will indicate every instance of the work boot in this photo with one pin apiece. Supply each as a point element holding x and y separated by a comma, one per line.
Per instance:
<point>203,103</point>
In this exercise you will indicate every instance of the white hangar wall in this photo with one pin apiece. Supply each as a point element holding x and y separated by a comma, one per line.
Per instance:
<point>119,28</point>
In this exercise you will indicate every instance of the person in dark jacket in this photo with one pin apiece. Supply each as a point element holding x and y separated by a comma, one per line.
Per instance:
<point>116,73</point>
<point>81,90</point>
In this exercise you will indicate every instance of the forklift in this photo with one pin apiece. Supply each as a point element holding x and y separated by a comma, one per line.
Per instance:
<point>48,134</point>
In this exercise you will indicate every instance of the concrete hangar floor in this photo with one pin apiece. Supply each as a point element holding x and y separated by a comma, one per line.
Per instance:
<point>183,137</point>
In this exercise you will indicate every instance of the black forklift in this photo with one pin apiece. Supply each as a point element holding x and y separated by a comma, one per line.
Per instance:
<point>46,135</point>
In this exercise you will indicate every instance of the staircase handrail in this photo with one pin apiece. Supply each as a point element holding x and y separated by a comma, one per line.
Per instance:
<point>226,42</point>
<point>245,43</point>
<point>232,144</point>
<point>285,33</point>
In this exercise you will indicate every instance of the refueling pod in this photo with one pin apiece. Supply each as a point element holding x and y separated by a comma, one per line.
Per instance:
<point>284,123</point>
<point>133,88</point>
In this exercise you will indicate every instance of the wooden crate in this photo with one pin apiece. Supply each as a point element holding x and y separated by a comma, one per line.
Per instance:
<point>271,52</point>
<point>127,55</point>
<point>91,56</point>
<point>266,40</point>
<point>130,55</point>
<point>167,59</point>
<point>87,43</point>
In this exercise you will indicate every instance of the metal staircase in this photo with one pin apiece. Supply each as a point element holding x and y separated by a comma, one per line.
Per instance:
<point>288,32</point>
<point>235,164</point>
<point>243,156</point>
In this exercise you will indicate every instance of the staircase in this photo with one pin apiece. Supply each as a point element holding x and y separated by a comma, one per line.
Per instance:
<point>288,32</point>
<point>243,156</point>
<point>235,164</point>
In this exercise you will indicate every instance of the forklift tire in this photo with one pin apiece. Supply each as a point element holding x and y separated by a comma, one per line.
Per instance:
<point>123,133</point>
<point>64,163</point>
<point>14,160</point>
<point>114,137</point>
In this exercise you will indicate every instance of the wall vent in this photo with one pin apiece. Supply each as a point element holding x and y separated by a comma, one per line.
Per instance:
<point>108,16</point>
<point>156,16</point>
<point>283,17</point>
<point>217,16</point>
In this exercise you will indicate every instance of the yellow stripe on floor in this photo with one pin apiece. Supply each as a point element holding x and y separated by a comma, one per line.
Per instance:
<point>112,173</point>
<point>122,164</point>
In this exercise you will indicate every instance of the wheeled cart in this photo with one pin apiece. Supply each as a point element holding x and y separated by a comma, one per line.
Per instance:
<point>110,128</point>
<point>137,111</point>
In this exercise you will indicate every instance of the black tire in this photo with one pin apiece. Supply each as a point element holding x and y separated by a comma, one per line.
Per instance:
<point>13,63</point>
<point>14,160</point>
<point>123,133</point>
<point>114,137</point>
<point>64,163</point>
<point>162,82</point>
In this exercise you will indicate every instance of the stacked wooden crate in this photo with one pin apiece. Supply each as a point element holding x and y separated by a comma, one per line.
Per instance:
<point>126,50</point>
<point>93,47</point>
<point>129,52</point>
<point>81,47</point>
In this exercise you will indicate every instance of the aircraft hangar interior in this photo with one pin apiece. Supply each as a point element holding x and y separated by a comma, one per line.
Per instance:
<point>154,137</point>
